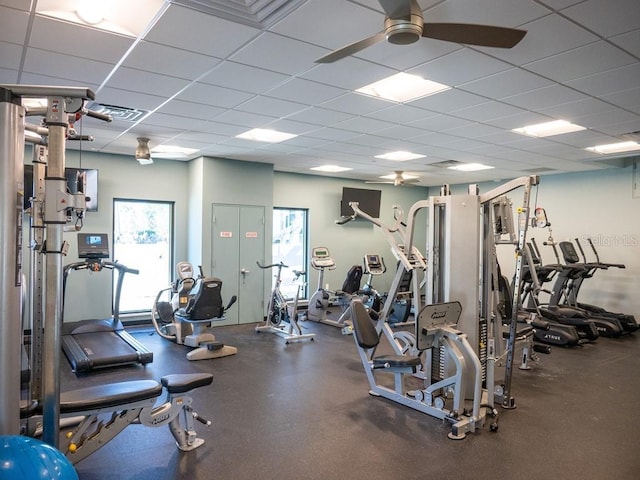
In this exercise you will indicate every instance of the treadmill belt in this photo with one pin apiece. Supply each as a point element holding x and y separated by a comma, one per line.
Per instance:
<point>102,349</point>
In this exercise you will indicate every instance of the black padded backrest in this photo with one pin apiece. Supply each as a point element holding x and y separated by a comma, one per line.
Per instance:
<point>207,303</point>
<point>363,327</point>
<point>354,278</point>
<point>569,252</point>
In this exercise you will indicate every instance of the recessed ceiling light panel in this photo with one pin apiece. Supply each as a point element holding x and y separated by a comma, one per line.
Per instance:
<point>265,135</point>
<point>330,169</point>
<point>402,87</point>
<point>615,147</point>
<point>400,156</point>
<point>470,167</point>
<point>547,129</point>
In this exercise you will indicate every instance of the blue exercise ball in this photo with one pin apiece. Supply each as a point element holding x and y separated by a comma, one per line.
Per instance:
<point>25,458</point>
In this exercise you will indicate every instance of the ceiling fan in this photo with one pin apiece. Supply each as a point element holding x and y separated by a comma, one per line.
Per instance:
<point>403,24</point>
<point>399,179</point>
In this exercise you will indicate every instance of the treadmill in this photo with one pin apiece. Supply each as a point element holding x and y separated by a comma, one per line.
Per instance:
<point>100,343</point>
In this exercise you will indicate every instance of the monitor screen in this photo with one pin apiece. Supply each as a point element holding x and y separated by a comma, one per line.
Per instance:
<point>368,201</point>
<point>93,245</point>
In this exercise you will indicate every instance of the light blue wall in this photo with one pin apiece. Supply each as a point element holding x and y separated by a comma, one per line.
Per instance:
<point>350,242</point>
<point>118,177</point>
<point>596,204</point>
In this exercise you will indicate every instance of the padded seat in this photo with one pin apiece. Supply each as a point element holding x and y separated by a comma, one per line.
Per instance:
<point>108,396</point>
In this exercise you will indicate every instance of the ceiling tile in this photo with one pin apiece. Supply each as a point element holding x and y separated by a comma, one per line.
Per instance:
<point>278,53</point>
<point>212,95</point>
<point>448,101</point>
<point>79,41</point>
<point>629,42</point>
<point>349,73</point>
<point>146,82</point>
<point>65,66</point>
<point>319,116</point>
<point>605,18</point>
<point>13,25</point>
<point>329,30</point>
<point>581,62</point>
<point>546,36</point>
<point>243,77</point>
<point>504,13</point>
<point>459,67</point>
<point>504,84</point>
<point>245,119</point>
<point>11,55</point>
<point>356,104</point>
<point>190,30</point>
<point>544,97</point>
<point>273,107</point>
<point>164,60</point>
<point>305,91</point>
<point>191,109</point>
<point>8,76</point>
<point>623,78</point>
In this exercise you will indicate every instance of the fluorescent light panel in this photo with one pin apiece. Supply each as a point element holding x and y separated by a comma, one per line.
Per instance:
<point>330,169</point>
<point>615,147</point>
<point>470,167</point>
<point>266,135</point>
<point>172,151</point>
<point>400,156</point>
<point>547,129</point>
<point>402,87</point>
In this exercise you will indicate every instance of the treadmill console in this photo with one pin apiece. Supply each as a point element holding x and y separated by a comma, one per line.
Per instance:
<point>374,264</point>
<point>93,245</point>
<point>320,258</point>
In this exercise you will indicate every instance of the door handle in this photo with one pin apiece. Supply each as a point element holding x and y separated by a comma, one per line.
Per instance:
<point>244,271</point>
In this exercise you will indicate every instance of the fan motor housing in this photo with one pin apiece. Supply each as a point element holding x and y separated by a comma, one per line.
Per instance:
<point>403,32</point>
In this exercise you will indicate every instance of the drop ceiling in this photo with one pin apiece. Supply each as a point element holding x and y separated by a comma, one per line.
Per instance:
<point>203,71</point>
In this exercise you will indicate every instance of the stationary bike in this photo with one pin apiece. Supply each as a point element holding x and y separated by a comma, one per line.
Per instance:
<point>282,317</point>
<point>318,308</point>
<point>187,317</point>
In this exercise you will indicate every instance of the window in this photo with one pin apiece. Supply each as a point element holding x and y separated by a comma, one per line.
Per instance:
<point>143,240</point>
<point>290,246</point>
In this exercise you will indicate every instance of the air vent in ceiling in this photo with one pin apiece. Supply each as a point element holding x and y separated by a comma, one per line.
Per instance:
<point>254,13</point>
<point>445,164</point>
<point>118,113</point>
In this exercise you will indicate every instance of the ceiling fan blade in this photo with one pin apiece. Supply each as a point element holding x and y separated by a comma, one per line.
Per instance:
<point>396,9</point>
<point>352,48</point>
<point>471,34</point>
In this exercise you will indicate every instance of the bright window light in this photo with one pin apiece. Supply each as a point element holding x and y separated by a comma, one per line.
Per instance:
<point>400,156</point>
<point>470,167</point>
<point>548,129</point>
<point>615,147</point>
<point>265,135</point>
<point>330,169</point>
<point>402,87</point>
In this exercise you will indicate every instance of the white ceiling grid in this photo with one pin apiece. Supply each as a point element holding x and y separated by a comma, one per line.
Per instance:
<point>208,70</point>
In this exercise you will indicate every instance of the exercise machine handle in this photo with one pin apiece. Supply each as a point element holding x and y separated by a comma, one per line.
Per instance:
<point>98,115</point>
<point>280,264</point>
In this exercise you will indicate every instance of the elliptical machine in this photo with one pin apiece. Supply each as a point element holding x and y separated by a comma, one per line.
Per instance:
<point>187,317</point>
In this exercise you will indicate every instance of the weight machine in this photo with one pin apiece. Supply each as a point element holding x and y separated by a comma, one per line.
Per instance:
<point>51,209</point>
<point>463,231</point>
